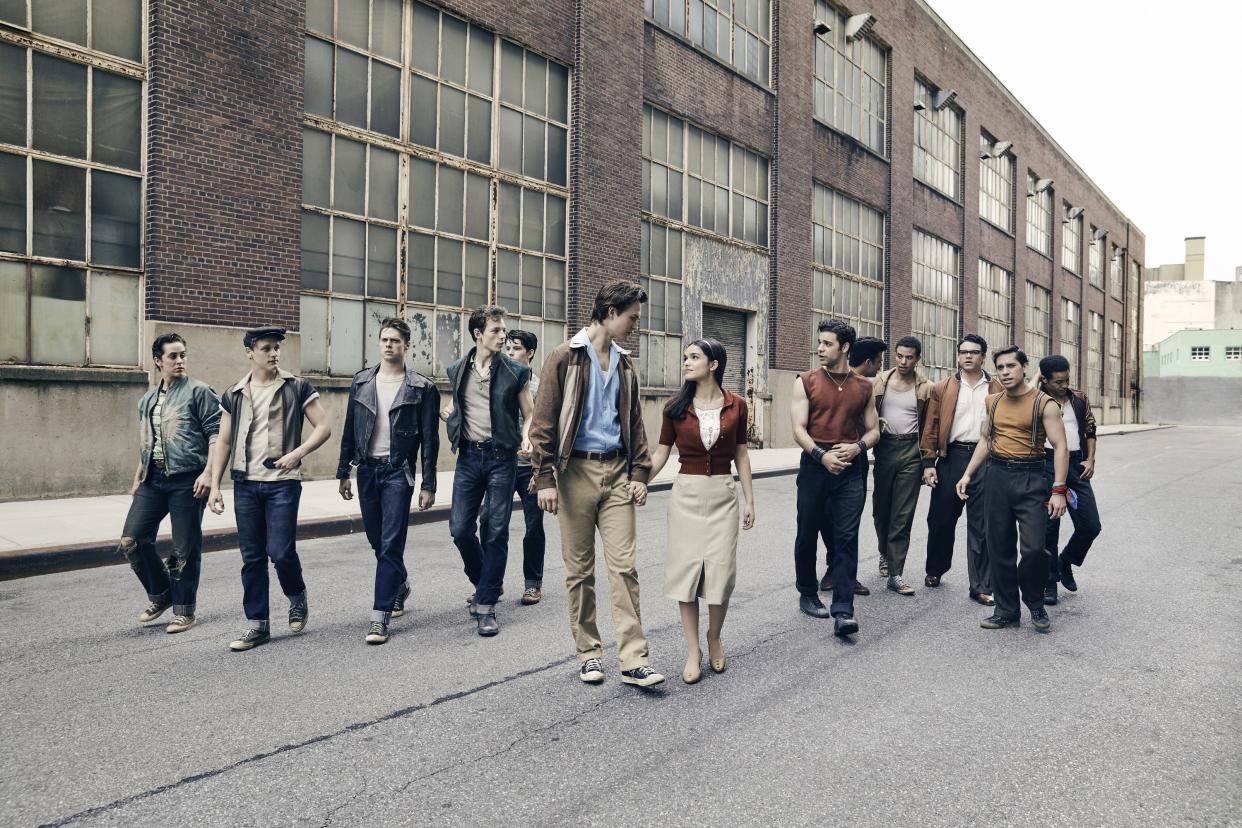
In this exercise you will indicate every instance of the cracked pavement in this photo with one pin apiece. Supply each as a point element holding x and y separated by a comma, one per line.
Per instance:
<point>1125,714</point>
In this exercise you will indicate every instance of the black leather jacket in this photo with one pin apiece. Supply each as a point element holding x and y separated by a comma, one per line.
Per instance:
<point>414,425</point>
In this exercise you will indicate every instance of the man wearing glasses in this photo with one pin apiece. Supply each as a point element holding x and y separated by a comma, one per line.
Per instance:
<point>955,414</point>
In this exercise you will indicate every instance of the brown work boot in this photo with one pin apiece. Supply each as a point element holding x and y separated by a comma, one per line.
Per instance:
<point>532,595</point>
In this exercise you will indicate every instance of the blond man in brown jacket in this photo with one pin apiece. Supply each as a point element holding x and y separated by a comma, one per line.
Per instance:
<point>591,466</point>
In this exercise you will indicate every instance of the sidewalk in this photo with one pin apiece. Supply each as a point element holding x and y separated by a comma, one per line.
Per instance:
<point>42,536</point>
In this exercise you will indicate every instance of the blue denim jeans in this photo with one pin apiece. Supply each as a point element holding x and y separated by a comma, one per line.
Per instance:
<point>384,495</point>
<point>534,542</point>
<point>1086,519</point>
<point>267,524</point>
<point>483,494</point>
<point>177,578</point>
<point>835,499</point>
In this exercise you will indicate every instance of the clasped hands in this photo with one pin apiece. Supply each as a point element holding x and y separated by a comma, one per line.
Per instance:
<point>838,458</point>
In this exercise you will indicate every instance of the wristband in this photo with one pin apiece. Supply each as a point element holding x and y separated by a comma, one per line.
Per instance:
<point>1060,490</point>
<point>862,446</point>
<point>817,454</point>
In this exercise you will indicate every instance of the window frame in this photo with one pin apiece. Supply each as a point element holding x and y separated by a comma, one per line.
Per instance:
<point>939,346</point>
<point>990,298</point>
<point>933,141</point>
<point>828,278</point>
<point>1038,216</point>
<point>1038,338</point>
<point>866,50</point>
<point>995,188</point>
<point>679,22</point>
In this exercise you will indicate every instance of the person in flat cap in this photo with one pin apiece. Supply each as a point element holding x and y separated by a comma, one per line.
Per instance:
<point>261,434</point>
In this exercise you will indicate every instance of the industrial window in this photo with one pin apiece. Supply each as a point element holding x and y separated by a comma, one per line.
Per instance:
<point>1114,362</point>
<point>1071,243</point>
<point>937,143</point>
<point>660,337</point>
<point>71,144</point>
<point>692,175</point>
<point>1233,353</point>
<point>995,305</point>
<point>1038,321</point>
<point>1038,215</point>
<point>937,277</point>
<point>847,280</point>
<point>1095,260</point>
<point>1095,355</point>
<point>1116,282</point>
<point>996,187</point>
<point>1071,335</point>
<point>1200,353</point>
<point>736,31</point>
<point>456,198</point>
<point>850,81</point>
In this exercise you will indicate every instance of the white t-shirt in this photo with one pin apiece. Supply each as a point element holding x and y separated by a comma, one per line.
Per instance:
<point>969,412</point>
<point>381,438</point>
<point>1071,428</point>
<point>900,411</point>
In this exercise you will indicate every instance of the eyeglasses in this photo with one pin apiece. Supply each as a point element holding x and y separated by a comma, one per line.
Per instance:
<point>970,353</point>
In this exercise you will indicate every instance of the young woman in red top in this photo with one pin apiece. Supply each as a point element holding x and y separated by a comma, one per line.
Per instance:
<point>708,426</point>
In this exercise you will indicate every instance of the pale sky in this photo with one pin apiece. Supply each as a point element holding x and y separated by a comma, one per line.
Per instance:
<point>1145,96</point>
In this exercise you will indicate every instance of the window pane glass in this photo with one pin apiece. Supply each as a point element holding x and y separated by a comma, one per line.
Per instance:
<point>349,176</point>
<point>12,95</point>
<point>508,214</point>
<point>314,322</point>
<point>478,204</point>
<point>452,196</point>
<point>381,262</point>
<point>12,203</point>
<point>316,177</point>
<point>59,107</point>
<point>385,28</point>
<point>13,11</point>
<point>59,211</point>
<point>448,272</point>
<point>475,290</point>
<point>114,319</point>
<point>351,21</point>
<point>555,226</point>
<point>479,126</point>
<point>453,50</point>
<point>116,205</point>
<point>423,111</point>
<point>481,49</point>
<point>58,315</point>
<point>554,289</point>
<point>319,16</point>
<point>116,131</point>
<point>557,144</point>
<point>510,73</point>
<point>12,312</point>
<point>426,38</point>
<point>558,92</point>
<point>532,147</point>
<point>314,251</point>
<point>508,276</point>
<point>351,88</point>
<point>385,98</point>
<point>348,243</point>
<point>452,120</point>
<point>422,343</point>
<point>65,19</point>
<point>346,335</point>
<point>422,192</point>
<point>383,174</point>
<point>448,341</point>
<point>116,27</point>
<point>510,140</point>
<point>536,84</point>
<point>532,220</point>
<point>318,77</point>
<point>532,285</point>
<point>421,282</point>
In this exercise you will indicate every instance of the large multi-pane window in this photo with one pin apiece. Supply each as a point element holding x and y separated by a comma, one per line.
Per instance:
<point>1095,357</point>
<point>1071,336</point>
<point>1114,363</point>
<point>736,31</point>
<point>995,305</point>
<point>847,280</point>
<point>996,187</point>
<point>936,282</point>
<point>1095,260</point>
<point>71,164</point>
<point>937,142</point>
<point>851,79</point>
<point>1071,242</point>
<point>455,197</point>
<point>1116,281</point>
<point>1038,215</point>
<point>691,175</point>
<point>660,337</point>
<point>1038,321</point>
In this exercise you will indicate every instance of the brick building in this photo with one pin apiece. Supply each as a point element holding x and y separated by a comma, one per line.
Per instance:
<point>209,165</point>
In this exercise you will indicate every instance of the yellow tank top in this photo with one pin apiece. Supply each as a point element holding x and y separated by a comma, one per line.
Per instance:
<point>1017,428</point>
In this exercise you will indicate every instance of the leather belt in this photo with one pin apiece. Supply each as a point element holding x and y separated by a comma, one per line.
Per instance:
<point>960,444</point>
<point>914,435</point>
<point>159,464</point>
<point>602,456</point>
<point>1018,462</point>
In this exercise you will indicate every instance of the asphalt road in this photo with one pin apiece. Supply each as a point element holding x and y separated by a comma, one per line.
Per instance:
<point>1126,714</point>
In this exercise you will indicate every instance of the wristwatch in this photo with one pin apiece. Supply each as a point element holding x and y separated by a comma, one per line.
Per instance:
<point>862,446</point>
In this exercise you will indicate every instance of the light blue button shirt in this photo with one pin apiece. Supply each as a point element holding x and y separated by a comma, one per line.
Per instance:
<point>601,425</point>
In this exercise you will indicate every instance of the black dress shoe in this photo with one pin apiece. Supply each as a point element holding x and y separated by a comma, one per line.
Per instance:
<point>997,622</point>
<point>1067,575</point>
<point>1050,595</point>
<point>825,583</point>
<point>982,598</point>
<point>486,619</point>
<point>844,625</point>
<point>812,606</point>
<point>859,589</point>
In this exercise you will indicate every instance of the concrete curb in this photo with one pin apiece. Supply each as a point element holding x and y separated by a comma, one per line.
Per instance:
<point>44,560</point>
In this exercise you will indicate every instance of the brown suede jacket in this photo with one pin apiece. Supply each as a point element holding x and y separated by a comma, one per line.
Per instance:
<point>938,421</point>
<point>563,385</point>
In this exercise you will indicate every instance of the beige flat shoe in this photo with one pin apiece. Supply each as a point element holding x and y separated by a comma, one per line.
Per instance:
<point>691,676</point>
<point>719,665</point>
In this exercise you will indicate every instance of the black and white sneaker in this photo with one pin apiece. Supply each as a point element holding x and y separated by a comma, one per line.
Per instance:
<point>153,611</point>
<point>1040,620</point>
<point>377,633</point>
<point>398,606</point>
<point>250,639</point>
<point>592,671</point>
<point>298,613</point>
<point>641,677</point>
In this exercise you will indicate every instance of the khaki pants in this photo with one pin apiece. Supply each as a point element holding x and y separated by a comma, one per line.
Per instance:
<point>898,476</point>
<point>592,493</point>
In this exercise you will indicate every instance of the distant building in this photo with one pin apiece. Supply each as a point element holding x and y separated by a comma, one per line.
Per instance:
<point>1179,297</point>
<point>1196,354</point>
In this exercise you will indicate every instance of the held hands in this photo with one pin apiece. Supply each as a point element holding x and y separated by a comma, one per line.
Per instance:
<point>1056,506</point>
<point>961,486</point>
<point>1088,469</point>
<point>930,478</point>
<point>202,485</point>
<point>445,412</point>
<point>216,501</point>
<point>637,492</point>
<point>346,489</point>
<point>525,450</point>
<point>548,500</point>
<point>748,516</point>
<point>426,500</point>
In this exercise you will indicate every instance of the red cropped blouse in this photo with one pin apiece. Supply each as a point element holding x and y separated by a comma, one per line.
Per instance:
<point>734,419</point>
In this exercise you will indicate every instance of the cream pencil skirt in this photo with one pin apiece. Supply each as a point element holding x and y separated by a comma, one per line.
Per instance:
<point>702,539</point>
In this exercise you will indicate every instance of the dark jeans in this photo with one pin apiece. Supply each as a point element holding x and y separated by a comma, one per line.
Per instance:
<point>838,498</point>
<point>267,523</point>
<point>534,541</point>
<point>825,528</point>
<point>384,495</point>
<point>1017,520</point>
<point>483,493</point>
<point>1086,519</point>
<point>943,513</point>
<point>177,579</point>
